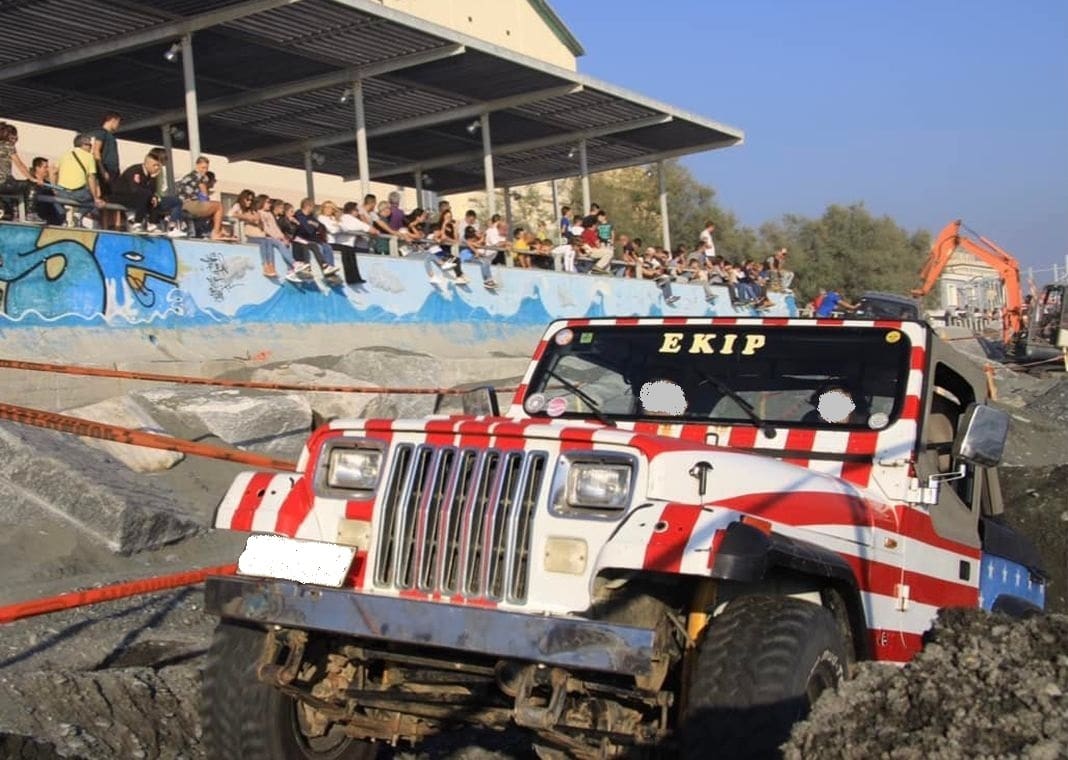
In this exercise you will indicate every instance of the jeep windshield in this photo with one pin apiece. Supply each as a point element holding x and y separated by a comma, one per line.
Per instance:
<point>840,377</point>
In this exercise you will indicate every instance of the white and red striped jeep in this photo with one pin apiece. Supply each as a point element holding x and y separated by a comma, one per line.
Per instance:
<point>681,531</point>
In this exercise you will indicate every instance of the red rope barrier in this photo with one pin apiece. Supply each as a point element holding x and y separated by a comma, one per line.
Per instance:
<point>32,607</point>
<point>102,430</point>
<point>70,369</point>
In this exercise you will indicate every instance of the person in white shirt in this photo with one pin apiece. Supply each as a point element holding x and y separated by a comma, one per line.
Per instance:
<point>342,234</point>
<point>707,243</point>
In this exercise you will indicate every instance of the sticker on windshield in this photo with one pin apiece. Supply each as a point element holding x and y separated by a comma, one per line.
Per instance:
<point>712,343</point>
<point>556,406</point>
<point>893,336</point>
<point>878,421</point>
<point>564,337</point>
<point>586,337</point>
<point>663,397</point>
<point>534,403</point>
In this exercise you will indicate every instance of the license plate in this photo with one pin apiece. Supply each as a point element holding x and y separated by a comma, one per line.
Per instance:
<point>291,559</point>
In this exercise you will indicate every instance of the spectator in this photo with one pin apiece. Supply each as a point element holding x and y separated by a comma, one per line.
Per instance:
<point>521,248</point>
<point>471,220</point>
<point>380,223</point>
<point>564,255</point>
<point>275,237</point>
<point>106,153</point>
<point>443,206</point>
<point>653,269</point>
<point>135,189</point>
<point>445,237</point>
<point>247,210</point>
<point>26,188</point>
<point>831,302</point>
<point>602,256</point>
<point>708,245</point>
<point>565,222</point>
<point>497,238</point>
<point>354,234</point>
<point>482,257</point>
<point>605,234</point>
<point>76,180</point>
<point>323,248</point>
<point>192,190</point>
<point>41,177</point>
<point>396,213</point>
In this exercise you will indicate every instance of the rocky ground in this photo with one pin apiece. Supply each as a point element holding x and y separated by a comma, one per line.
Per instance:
<point>121,679</point>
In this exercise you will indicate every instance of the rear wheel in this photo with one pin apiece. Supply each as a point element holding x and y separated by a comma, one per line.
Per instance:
<point>245,718</point>
<point>759,668</point>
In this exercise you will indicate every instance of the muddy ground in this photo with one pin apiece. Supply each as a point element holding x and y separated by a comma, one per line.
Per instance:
<point>121,679</point>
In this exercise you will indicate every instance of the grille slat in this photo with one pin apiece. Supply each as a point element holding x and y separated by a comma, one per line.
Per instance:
<point>459,521</point>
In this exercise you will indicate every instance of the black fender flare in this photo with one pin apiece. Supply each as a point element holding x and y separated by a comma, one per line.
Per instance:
<point>1015,607</point>
<point>747,554</point>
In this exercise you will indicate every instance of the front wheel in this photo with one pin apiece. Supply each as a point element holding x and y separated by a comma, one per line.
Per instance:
<point>245,718</point>
<point>759,668</point>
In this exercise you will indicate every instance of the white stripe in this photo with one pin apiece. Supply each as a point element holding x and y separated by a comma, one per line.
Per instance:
<point>266,518</point>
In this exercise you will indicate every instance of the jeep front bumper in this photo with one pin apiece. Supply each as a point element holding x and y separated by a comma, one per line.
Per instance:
<point>566,642</point>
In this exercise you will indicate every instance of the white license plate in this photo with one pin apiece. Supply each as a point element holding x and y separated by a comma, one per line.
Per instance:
<point>291,559</point>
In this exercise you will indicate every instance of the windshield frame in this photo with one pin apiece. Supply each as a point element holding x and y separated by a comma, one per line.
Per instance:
<point>744,364</point>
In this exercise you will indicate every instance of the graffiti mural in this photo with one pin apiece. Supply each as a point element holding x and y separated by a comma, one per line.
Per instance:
<point>73,276</point>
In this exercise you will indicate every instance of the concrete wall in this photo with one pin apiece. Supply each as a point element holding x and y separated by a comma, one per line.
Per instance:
<point>53,278</point>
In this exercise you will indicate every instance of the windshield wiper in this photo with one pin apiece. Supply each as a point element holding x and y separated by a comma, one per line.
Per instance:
<point>582,395</point>
<point>736,397</point>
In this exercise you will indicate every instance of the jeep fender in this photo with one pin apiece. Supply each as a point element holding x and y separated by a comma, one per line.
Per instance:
<point>748,555</point>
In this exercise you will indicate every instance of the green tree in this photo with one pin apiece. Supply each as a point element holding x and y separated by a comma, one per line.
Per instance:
<point>849,250</point>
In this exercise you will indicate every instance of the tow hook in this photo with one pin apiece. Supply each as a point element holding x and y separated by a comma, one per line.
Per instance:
<point>533,711</point>
<point>282,653</point>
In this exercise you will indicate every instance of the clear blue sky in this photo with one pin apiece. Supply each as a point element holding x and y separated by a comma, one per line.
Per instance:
<point>926,111</point>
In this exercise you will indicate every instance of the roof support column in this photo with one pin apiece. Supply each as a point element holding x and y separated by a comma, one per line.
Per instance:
<point>584,173</point>
<point>309,175</point>
<point>556,213</point>
<point>168,145</point>
<point>362,163</point>
<point>487,164</point>
<point>192,115</point>
<point>508,210</point>
<point>419,188</point>
<point>664,221</point>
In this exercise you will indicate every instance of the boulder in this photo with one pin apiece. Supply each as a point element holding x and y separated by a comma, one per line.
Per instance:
<point>125,411</point>
<point>325,406</point>
<point>56,477</point>
<point>271,423</point>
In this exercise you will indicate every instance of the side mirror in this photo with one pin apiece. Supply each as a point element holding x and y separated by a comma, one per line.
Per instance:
<point>981,436</point>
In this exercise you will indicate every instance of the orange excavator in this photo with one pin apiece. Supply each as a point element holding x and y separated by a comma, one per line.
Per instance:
<point>989,252</point>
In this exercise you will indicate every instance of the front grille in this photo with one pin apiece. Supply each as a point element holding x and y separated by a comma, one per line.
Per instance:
<point>459,521</point>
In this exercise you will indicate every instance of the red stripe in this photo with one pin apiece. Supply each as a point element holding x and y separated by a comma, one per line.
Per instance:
<point>666,547</point>
<point>799,440</point>
<point>919,527</point>
<point>627,321</point>
<point>801,508</point>
<point>672,321</point>
<point>911,408</point>
<point>440,432</point>
<point>776,321</point>
<point>881,578</point>
<point>577,440</point>
<point>918,360</point>
<point>695,433</point>
<point>860,442</point>
<point>886,323</point>
<point>301,497</point>
<point>251,500</point>
<point>474,434</point>
<point>742,437</point>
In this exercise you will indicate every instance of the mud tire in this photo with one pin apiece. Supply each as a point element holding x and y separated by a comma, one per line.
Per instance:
<point>758,669</point>
<point>244,718</point>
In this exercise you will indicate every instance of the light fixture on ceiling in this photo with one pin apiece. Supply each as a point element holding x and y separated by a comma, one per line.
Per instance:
<point>474,126</point>
<point>426,180</point>
<point>649,172</point>
<point>171,54</point>
<point>318,158</point>
<point>345,96</point>
<point>572,151</point>
<point>177,133</point>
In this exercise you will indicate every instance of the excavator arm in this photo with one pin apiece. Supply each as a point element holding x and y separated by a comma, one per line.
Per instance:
<point>1008,269</point>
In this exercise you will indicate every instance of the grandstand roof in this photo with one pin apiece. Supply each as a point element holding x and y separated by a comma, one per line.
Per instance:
<point>271,75</point>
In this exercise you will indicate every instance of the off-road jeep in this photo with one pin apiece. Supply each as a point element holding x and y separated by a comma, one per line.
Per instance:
<point>680,533</point>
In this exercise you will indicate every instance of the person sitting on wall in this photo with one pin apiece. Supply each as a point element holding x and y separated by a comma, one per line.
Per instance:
<point>26,188</point>
<point>41,177</point>
<point>832,302</point>
<point>191,191</point>
<point>135,189</point>
<point>76,181</point>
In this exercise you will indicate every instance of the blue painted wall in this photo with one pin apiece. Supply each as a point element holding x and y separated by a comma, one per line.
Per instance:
<point>52,275</point>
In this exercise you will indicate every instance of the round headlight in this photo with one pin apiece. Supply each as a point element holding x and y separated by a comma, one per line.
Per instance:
<point>354,469</point>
